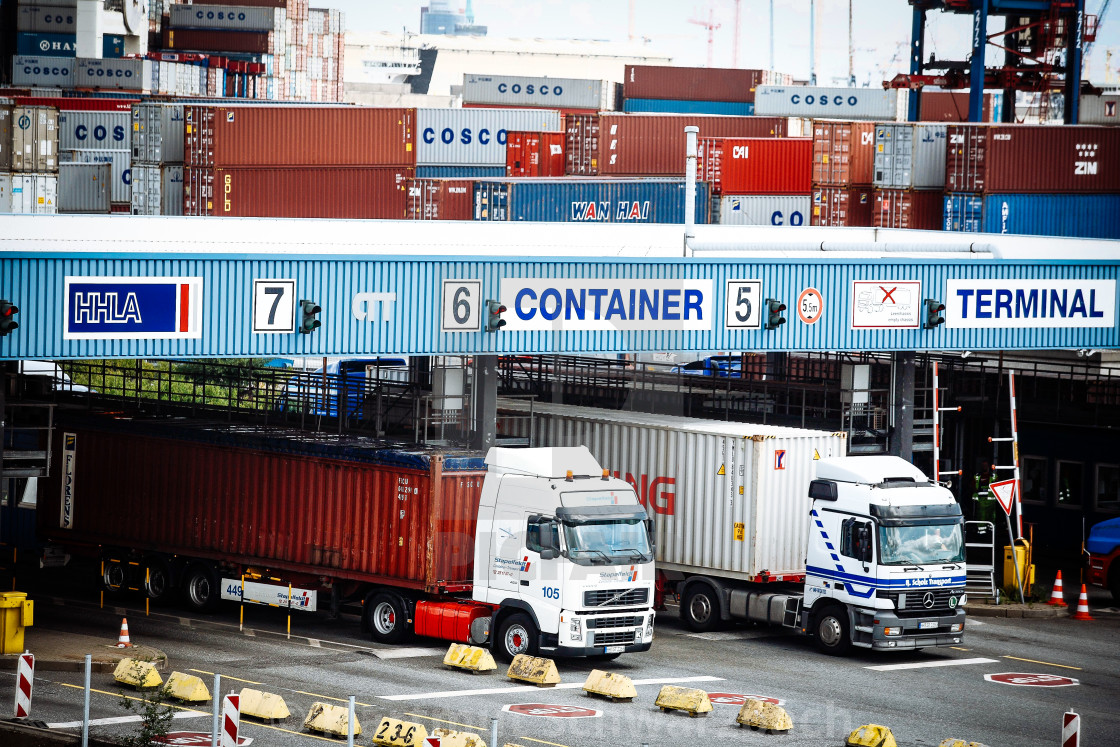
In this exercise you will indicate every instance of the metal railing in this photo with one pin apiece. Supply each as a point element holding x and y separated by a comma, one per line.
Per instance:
<point>980,559</point>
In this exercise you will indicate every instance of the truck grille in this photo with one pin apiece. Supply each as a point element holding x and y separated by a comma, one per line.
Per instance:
<point>615,597</point>
<point>613,639</point>
<point>614,622</point>
<point>913,601</point>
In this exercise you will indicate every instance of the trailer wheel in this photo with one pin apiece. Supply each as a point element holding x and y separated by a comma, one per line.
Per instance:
<point>517,635</point>
<point>832,631</point>
<point>700,608</point>
<point>387,618</point>
<point>200,588</point>
<point>157,580</point>
<point>113,576</point>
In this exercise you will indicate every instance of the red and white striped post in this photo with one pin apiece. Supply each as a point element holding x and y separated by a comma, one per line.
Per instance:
<point>231,720</point>
<point>1071,730</point>
<point>25,681</point>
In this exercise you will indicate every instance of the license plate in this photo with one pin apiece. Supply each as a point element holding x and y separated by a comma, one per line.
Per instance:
<point>927,626</point>
<point>613,649</point>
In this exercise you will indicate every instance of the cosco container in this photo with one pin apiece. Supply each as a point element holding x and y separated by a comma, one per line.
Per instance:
<point>1099,110</point>
<point>550,93</point>
<point>717,500</point>
<point>41,17</point>
<point>900,208</point>
<point>107,130</point>
<point>680,106</point>
<point>157,132</point>
<point>129,74</point>
<point>205,40</point>
<point>28,194</point>
<point>157,189</point>
<point>46,44</point>
<point>764,210</point>
<point>226,17</point>
<point>842,206</point>
<point>761,166</point>
<point>460,172</point>
<point>119,160</point>
<point>534,154</point>
<point>440,199</point>
<point>474,137</point>
<point>837,103</point>
<point>1088,216</point>
<point>690,83</point>
<point>297,191</point>
<point>843,152</point>
<point>586,200</point>
<point>909,156</point>
<point>34,139</point>
<point>1031,158</point>
<point>42,72</point>
<point>84,187</point>
<point>298,135</point>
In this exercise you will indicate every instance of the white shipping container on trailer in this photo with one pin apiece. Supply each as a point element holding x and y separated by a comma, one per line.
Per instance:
<point>831,103</point>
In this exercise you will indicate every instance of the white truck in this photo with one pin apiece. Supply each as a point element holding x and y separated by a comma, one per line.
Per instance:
<point>773,525</point>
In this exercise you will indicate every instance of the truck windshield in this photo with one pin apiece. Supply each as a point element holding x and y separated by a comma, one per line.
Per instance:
<point>916,545</point>
<point>608,542</point>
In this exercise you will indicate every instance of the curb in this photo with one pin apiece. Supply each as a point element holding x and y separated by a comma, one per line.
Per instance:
<point>1016,611</point>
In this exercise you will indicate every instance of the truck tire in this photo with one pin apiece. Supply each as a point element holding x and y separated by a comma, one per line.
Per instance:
<point>516,635</point>
<point>700,608</point>
<point>200,588</point>
<point>387,618</point>
<point>114,576</point>
<point>157,580</point>
<point>832,630</point>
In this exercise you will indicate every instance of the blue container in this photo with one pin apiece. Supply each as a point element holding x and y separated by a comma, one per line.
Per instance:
<point>671,106</point>
<point>460,172</point>
<point>587,200</point>
<point>1087,216</point>
<point>112,46</point>
<point>46,45</point>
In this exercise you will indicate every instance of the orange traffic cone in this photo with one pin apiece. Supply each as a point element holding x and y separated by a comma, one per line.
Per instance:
<point>122,640</point>
<point>1082,606</point>
<point>1057,594</point>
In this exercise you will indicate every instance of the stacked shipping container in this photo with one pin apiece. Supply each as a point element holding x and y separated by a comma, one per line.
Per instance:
<point>694,90</point>
<point>757,181</point>
<point>157,158</point>
<point>909,175</point>
<point>28,158</point>
<point>97,131</point>
<point>843,170</point>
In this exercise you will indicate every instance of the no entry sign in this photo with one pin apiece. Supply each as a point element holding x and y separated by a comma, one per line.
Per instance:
<point>194,739</point>
<point>1024,679</point>
<point>544,710</point>
<point>737,699</point>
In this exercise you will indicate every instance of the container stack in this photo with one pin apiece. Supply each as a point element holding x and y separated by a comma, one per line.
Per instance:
<point>97,131</point>
<point>665,89</point>
<point>909,175</point>
<point>85,188</point>
<point>48,28</point>
<point>757,181</point>
<point>534,154</point>
<point>471,143</point>
<point>842,173</point>
<point>615,200</point>
<point>1022,179</point>
<point>157,158</point>
<point>28,158</point>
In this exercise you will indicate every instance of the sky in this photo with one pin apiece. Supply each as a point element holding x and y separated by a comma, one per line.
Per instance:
<point>881,31</point>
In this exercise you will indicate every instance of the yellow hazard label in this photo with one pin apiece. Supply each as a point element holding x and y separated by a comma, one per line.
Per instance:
<point>721,471</point>
<point>816,455</point>
<point>740,490</point>
<point>824,158</point>
<point>740,531</point>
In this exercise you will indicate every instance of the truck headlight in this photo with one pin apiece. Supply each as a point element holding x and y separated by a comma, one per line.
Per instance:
<point>892,631</point>
<point>649,629</point>
<point>956,627</point>
<point>576,630</point>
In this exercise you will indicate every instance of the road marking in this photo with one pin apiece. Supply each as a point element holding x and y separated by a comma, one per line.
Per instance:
<point>225,677</point>
<point>732,635</point>
<point>120,720</point>
<point>1046,663</point>
<point>327,697</point>
<point>925,664</point>
<point>534,688</point>
<point>453,723</point>
<point>960,648</point>
<point>314,643</point>
<point>185,622</point>
<point>407,653</point>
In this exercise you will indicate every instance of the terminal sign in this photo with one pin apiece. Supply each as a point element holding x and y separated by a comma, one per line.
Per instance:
<point>1030,303</point>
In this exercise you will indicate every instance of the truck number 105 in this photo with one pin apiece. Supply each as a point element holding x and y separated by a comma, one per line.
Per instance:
<point>551,592</point>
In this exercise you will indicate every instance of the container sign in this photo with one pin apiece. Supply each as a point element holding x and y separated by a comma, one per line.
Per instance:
<point>555,304</point>
<point>133,308</point>
<point>69,453</point>
<point>886,304</point>
<point>1030,303</point>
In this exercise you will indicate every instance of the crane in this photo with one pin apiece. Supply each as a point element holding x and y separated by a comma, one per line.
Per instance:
<point>711,26</point>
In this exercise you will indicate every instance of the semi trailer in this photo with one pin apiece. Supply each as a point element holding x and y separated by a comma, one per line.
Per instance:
<point>529,550</point>
<point>775,525</point>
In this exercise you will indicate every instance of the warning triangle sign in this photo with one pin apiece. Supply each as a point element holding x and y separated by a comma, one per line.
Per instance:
<point>1004,492</point>
<point>816,455</point>
<point>722,471</point>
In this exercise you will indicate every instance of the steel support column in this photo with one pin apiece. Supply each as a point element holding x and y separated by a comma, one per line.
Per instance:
<point>1072,114</point>
<point>902,432</point>
<point>976,74</point>
<point>917,54</point>
<point>485,401</point>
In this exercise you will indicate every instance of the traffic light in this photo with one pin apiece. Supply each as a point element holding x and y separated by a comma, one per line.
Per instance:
<point>309,317</point>
<point>8,311</point>
<point>933,313</point>
<point>774,309</point>
<point>494,321</point>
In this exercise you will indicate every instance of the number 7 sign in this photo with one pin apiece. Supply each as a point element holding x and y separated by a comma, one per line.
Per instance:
<point>274,306</point>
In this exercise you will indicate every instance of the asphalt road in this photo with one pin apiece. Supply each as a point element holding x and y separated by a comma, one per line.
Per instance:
<point>923,697</point>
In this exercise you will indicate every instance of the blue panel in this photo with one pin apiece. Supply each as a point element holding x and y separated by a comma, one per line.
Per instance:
<point>112,46</point>
<point>672,106</point>
<point>1090,216</point>
<point>963,212</point>
<point>460,172</point>
<point>587,201</point>
<point>46,44</point>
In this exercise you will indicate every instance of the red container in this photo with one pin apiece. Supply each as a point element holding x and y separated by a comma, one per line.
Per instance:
<point>756,166</point>
<point>654,144</point>
<point>534,154</point>
<point>581,144</point>
<point>1032,158</point>
<point>298,135</point>
<point>842,206</point>
<point>208,40</point>
<point>690,83</point>
<point>297,191</point>
<point>440,199</point>
<point>903,208</point>
<point>843,152</point>
<point>950,106</point>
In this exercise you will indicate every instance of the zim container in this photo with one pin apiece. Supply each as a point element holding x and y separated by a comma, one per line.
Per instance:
<point>764,210</point>
<point>440,199</point>
<point>900,208</point>
<point>909,156</point>
<point>842,206</point>
<point>586,200</point>
<point>690,83</point>
<point>761,166</point>
<point>534,154</point>
<point>1073,215</point>
<point>843,152</point>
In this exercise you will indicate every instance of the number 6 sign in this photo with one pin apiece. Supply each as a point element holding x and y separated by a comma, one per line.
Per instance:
<point>462,304</point>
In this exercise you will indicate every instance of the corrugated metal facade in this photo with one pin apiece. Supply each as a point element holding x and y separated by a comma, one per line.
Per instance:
<point>440,199</point>
<point>1081,216</point>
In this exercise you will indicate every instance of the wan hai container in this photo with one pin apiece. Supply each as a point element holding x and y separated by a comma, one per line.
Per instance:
<point>1078,216</point>
<point>586,200</point>
<point>716,499</point>
<point>874,104</point>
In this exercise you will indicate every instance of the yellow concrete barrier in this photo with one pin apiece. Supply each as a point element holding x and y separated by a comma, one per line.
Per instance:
<point>871,735</point>
<point>471,658</point>
<point>138,673</point>
<point>610,685</point>
<point>399,733</point>
<point>541,672</point>
<point>262,705</point>
<point>451,738</point>
<point>952,742</point>
<point>692,702</point>
<point>758,714</point>
<point>330,719</point>
<point>187,687</point>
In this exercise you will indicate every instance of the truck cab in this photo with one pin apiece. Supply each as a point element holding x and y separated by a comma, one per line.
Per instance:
<point>563,551</point>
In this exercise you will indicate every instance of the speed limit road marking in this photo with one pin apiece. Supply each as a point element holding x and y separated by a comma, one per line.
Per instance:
<point>810,305</point>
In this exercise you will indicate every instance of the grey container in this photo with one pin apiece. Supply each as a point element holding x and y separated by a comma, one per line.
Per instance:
<point>157,189</point>
<point>28,194</point>
<point>43,72</point>
<point>48,19</point>
<point>227,17</point>
<point>5,134</point>
<point>1099,110</point>
<point>831,103</point>
<point>84,187</point>
<point>35,139</point>
<point>909,156</point>
<point>124,74</point>
<point>94,129</point>
<point>157,133</point>
<point>474,137</point>
<point>121,162</point>
<point>560,93</point>
<point>765,210</point>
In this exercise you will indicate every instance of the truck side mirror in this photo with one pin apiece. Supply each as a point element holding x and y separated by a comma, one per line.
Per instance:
<point>649,532</point>
<point>822,490</point>
<point>864,543</point>
<point>549,553</point>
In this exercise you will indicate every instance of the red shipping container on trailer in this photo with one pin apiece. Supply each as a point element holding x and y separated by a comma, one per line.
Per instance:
<point>440,199</point>
<point>535,153</point>
<point>756,166</point>
<point>843,152</point>
<point>904,208</point>
<point>842,206</point>
<point>1032,158</point>
<point>690,83</point>
<point>298,135</point>
<point>208,40</point>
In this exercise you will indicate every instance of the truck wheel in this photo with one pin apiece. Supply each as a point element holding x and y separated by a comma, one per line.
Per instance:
<point>831,631</point>
<point>200,588</point>
<point>113,576</point>
<point>517,635</point>
<point>700,609</point>
<point>157,583</point>
<point>387,618</point>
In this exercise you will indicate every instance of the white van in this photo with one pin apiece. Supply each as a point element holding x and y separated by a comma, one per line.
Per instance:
<point>60,382</point>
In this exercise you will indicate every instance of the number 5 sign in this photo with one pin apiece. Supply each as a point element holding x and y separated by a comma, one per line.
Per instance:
<point>743,304</point>
<point>462,306</point>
